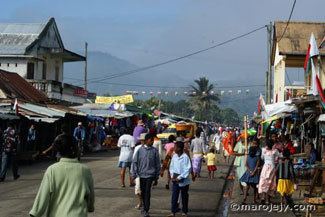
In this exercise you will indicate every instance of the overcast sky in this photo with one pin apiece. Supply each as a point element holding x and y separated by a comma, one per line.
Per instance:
<point>145,32</point>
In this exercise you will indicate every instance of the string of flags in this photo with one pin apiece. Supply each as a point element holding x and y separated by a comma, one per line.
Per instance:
<point>186,93</point>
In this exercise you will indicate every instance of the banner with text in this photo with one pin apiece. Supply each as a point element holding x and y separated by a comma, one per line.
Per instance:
<point>124,99</point>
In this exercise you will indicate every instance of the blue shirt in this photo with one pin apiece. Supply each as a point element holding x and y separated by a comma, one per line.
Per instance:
<point>181,165</point>
<point>79,133</point>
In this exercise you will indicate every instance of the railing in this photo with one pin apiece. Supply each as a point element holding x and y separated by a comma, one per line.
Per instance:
<point>41,85</point>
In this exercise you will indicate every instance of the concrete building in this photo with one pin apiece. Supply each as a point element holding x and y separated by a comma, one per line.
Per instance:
<point>36,52</point>
<point>289,51</point>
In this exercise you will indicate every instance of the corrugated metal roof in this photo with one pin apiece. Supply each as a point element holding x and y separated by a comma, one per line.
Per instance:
<point>16,37</point>
<point>43,111</point>
<point>15,43</point>
<point>14,86</point>
<point>22,28</point>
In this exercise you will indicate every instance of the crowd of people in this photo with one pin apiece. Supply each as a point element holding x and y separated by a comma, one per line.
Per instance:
<point>141,153</point>
<point>147,159</point>
<point>267,170</point>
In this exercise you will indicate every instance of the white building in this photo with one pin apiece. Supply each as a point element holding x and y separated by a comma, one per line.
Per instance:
<point>36,52</point>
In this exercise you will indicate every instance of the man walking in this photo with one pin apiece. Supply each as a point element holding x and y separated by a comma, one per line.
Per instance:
<point>31,138</point>
<point>198,149</point>
<point>67,188</point>
<point>146,165</point>
<point>137,189</point>
<point>79,134</point>
<point>126,143</point>
<point>9,153</point>
<point>180,168</point>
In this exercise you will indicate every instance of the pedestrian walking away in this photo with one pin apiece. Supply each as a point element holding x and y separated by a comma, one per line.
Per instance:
<point>138,130</point>
<point>211,162</point>
<point>67,187</point>
<point>137,188</point>
<point>251,176</point>
<point>198,150</point>
<point>126,143</point>
<point>169,149</point>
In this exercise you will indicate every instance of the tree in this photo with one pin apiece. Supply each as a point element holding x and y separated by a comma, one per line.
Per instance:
<point>202,98</point>
<point>230,117</point>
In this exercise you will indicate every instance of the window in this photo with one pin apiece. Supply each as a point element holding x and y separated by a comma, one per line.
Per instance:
<point>30,70</point>
<point>44,71</point>
<point>57,73</point>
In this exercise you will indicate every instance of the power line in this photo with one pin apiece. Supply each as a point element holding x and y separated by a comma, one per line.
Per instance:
<point>285,29</point>
<point>172,60</point>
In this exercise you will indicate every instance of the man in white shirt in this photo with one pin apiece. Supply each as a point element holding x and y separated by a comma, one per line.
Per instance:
<point>126,142</point>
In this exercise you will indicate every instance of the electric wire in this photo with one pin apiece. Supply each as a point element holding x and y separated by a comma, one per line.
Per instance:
<point>129,72</point>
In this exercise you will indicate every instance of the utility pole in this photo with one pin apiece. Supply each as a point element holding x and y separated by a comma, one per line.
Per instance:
<point>86,54</point>
<point>269,66</point>
<point>246,133</point>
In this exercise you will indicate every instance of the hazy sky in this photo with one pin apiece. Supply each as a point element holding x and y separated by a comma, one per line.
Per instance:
<point>145,32</point>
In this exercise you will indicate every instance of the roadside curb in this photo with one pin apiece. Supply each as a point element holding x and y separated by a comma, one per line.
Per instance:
<point>222,200</point>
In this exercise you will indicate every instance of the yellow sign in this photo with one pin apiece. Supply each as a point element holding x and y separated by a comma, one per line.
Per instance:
<point>125,99</point>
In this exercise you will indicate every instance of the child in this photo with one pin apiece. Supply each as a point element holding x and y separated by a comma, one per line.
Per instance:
<point>286,177</point>
<point>251,176</point>
<point>211,162</point>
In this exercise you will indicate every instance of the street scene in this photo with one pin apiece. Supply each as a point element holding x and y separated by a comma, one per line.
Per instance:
<point>162,108</point>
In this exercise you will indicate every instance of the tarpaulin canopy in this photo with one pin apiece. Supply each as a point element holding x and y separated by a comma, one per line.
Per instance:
<point>279,108</point>
<point>102,110</point>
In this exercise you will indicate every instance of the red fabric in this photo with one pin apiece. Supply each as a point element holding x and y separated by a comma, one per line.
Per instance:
<point>290,147</point>
<point>227,143</point>
<point>320,89</point>
<point>307,57</point>
<point>259,106</point>
<point>212,168</point>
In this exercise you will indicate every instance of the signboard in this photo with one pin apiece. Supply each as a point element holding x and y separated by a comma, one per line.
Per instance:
<point>80,92</point>
<point>124,99</point>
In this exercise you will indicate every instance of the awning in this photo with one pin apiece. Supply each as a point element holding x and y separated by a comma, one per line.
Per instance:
<point>102,110</point>
<point>42,111</point>
<point>46,120</point>
<point>8,117</point>
<point>280,108</point>
<point>269,120</point>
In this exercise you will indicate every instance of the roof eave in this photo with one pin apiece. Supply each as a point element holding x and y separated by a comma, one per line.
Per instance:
<point>70,56</point>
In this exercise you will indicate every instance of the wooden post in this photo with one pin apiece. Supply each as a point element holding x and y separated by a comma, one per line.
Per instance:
<point>245,133</point>
<point>86,66</point>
